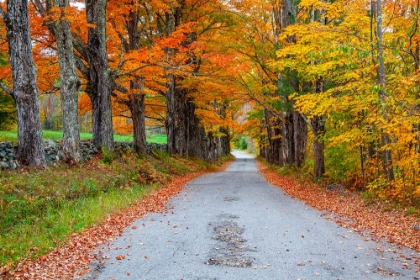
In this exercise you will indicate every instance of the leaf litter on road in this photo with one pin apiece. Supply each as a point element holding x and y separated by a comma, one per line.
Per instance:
<point>352,212</point>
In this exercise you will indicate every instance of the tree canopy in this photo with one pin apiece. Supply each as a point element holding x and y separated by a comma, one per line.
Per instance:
<point>330,87</point>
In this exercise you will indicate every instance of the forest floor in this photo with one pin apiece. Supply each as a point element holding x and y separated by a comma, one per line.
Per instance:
<point>351,211</point>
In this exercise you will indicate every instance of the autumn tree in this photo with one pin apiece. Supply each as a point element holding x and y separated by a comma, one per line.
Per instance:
<point>25,91</point>
<point>386,140</point>
<point>263,23</point>
<point>183,27</point>
<point>58,24</point>
<point>100,77</point>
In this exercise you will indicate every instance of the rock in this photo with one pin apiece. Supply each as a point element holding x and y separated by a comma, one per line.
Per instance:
<point>62,156</point>
<point>50,144</point>
<point>4,165</point>
<point>53,152</point>
<point>336,187</point>
<point>12,164</point>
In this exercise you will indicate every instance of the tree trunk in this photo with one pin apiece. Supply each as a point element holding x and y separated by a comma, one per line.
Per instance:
<point>100,77</point>
<point>137,106</point>
<point>69,86</point>
<point>273,126</point>
<point>318,127</point>
<point>386,140</point>
<point>300,131</point>
<point>225,141</point>
<point>136,99</point>
<point>183,117</point>
<point>170,113</point>
<point>25,92</point>
<point>170,86</point>
<point>287,141</point>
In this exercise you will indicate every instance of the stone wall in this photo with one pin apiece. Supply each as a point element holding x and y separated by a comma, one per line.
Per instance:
<point>54,153</point>
<point>8,156</point>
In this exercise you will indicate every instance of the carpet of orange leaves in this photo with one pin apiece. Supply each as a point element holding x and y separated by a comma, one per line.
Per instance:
<point>72,260</point>
<point>351,211</point>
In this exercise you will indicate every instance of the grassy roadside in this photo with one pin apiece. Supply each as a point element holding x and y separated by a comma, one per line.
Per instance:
<point>58,135</point>
<point>40,209</point>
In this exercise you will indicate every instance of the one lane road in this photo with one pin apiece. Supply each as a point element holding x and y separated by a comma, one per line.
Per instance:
<point>234,225</point>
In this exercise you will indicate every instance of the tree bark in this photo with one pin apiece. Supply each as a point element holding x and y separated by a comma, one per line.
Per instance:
<point>25,91</point>
<point>136,100</point>
<point>318,129</point>
<point>184,112</point>
<point>69,86</point>
<point>318,126</point>
<point>170,86</point>
<point>101,82</point>
<point>137,106</point>
<point>300,131</point>
<point>225,141</point>
<point>273,126</point>
<point>287,141</point>
<point>170,113</point>
<point>386,140</point>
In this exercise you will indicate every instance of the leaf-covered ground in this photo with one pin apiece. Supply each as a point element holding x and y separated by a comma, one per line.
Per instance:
<point>72,260</point>
<point>352,211</point>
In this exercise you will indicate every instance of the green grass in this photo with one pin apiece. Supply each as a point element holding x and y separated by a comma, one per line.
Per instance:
<point>57,136</point>
<point>39,209</point>
<point>158,138</point>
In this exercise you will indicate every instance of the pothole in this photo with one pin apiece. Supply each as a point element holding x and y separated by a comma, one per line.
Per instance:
<point>230,261</point>
<point>230,250</point>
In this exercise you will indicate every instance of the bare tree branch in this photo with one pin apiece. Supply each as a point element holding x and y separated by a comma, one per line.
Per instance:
<point>252,95</point>
<point>81,66</point>
<point>133,70</point>
<point>6,89</point>
<point>120,88</point>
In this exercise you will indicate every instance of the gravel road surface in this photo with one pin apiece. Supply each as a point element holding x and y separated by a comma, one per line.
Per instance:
<point>233,225</point>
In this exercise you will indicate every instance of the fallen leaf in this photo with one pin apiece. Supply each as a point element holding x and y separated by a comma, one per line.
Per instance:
<point>120,257</point>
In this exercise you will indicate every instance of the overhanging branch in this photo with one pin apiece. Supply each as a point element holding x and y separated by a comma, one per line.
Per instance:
<point>252,95</point>
<point>6,89</point>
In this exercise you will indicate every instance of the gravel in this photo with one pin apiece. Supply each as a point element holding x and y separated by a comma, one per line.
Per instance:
<point>234,225</point>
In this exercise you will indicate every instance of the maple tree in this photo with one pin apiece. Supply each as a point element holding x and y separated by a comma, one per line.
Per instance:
<point>348,77</point>
<point>59,26</point>
<point>25,91</point>
<point>343,51</point>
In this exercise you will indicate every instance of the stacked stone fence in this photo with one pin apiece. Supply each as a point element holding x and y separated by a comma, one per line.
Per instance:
<point>54,153</point>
